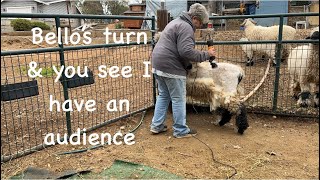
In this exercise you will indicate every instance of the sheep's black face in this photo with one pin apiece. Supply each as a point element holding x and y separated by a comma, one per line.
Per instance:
<point>249,62</point>
<point>314,36</point>
<point>304,99</point>
<point>189,66</point>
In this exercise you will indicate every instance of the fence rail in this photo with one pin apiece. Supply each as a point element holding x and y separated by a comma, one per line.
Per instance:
<point>25,121</point>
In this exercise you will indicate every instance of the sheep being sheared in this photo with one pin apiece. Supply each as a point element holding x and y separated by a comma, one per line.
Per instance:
<point>303,66</point>
<point>254,33</point>
<point>269,49</point>
<point>219,87</point>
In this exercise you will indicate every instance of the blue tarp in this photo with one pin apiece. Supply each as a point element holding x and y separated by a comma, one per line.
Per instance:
<point>174,7</point>
<point>271,7</point>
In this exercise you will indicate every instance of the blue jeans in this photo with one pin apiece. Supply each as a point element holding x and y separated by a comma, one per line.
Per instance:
<point>250,9</point>
<point>174,90</point>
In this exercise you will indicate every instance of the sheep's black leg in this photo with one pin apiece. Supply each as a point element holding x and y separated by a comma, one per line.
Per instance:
<point>316,100</point>
<point>285,55</point>
<point>242,119</point>
<point>274,62</point>
<point>225,116</point>
<point>296,90</point>
<point>295,97</point>
<point>249,62</point>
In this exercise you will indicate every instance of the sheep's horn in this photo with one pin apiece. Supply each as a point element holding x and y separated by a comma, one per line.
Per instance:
<point>253,21</point>
<point>244,22</point>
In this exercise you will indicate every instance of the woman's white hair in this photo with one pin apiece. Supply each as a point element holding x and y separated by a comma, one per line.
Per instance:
<point>199,11</point>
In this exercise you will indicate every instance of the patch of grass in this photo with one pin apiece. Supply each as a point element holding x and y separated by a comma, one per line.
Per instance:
<point>118,26</point>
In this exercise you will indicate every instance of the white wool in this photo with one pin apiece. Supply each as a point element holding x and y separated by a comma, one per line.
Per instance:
<point>269,49</point>
<point>224,76</point>
<point>254,33</point>
<point>303,65</point>
<point>216,86</point>
<point>297,62</point>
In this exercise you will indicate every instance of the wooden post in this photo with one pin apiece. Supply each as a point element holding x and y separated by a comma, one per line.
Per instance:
<point>162,17</point>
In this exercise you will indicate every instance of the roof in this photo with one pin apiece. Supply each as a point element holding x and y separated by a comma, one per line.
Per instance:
<point>51,1</point>
<point>137,4</point>
<point>46,2</point>
<point>134,12</point>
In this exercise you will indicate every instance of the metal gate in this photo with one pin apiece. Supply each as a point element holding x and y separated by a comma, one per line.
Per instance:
<point>25,113</point>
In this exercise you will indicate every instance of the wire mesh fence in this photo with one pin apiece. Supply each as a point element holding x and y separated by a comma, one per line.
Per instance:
<point>26,120</point>
<point>31,108</point>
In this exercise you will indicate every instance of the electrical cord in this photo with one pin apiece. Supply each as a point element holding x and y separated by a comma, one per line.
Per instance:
<point>216,161</point>
<point>101,145</point>
<point>212,154</point>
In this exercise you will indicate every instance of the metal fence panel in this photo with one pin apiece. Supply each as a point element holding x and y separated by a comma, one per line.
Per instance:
<point>26,118</point>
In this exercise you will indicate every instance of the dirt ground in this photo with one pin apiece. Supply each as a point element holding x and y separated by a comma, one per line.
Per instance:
<point>272,148</point>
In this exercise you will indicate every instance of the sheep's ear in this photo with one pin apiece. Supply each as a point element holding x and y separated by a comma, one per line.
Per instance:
<point>308,37</point>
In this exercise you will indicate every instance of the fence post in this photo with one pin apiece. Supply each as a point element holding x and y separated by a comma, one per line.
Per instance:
<point>153,32</point>
<point>162,17</point>
<point>64,79</point>
<point>278,59</point>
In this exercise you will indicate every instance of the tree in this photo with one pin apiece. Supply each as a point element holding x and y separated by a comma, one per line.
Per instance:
<point>91,7</point>
<point>115,7</point>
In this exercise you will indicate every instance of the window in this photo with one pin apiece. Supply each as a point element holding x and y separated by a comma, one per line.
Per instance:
<point>299,3</point>
<point>19,10</point>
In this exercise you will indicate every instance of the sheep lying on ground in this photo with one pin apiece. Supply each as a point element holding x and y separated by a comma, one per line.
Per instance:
<point>269,49</point>
<point>303,66</point>
<point>218,87</point>
<point>253,32</point>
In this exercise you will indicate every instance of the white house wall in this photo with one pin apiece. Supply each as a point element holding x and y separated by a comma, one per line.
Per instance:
<point>54,8</point>
<point>6,4</point>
